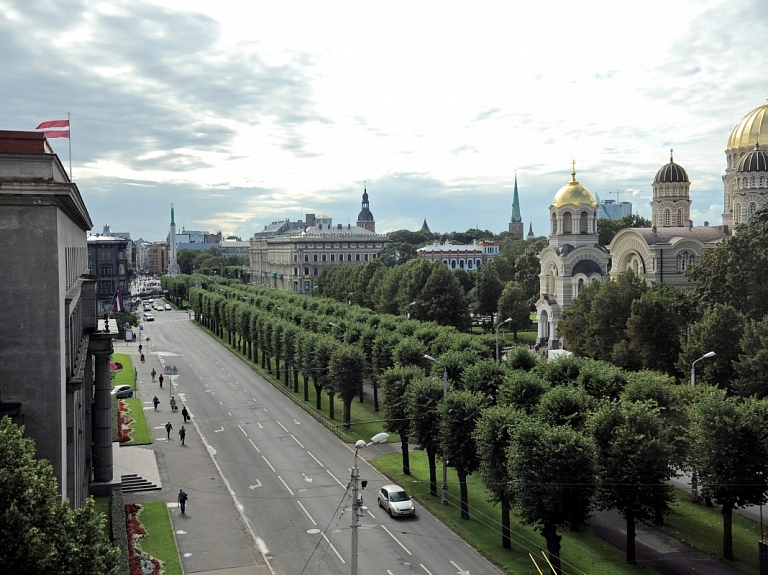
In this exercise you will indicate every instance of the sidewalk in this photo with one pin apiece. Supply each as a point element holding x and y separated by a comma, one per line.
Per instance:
<point>211,536</point>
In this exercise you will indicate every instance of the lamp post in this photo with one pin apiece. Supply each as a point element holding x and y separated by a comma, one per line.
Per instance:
<point>349,297</point>
<point>344,331</point>
<point>693,366</point>
<point>407,312</point>
<point>509,319</point>
<point>357,500</point>
<point>444,487</point>
<point>694,477</point>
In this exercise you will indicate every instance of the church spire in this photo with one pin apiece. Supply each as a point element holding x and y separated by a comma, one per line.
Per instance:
<point>516,205</point>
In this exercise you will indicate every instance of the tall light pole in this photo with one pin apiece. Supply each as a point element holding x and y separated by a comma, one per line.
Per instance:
<point>407,312</point>
<point>509,319</point>
<point>357,501</point>
<point>694,477</point>
<point>344,331</point>
<point>444,487</point>
<point>693,366</point>
<point>349,297</point>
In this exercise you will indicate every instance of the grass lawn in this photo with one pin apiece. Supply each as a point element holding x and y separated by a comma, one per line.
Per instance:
<point>581,552</point>
<point>159,541</point>
<point>702,527</point>
<point>124,376</point>
<point>140,434</point>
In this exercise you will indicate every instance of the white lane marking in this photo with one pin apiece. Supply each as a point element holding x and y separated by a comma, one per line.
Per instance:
<point>461,571</point>
<point>220,403</point>
<point>218,430</point>
<point>307,479</point>
<point>307,512</point>
<point>286,485</point>
<point>229,414</point>
<point>265,410</point>
<point>334,549</point>
<point>262,546</point>
<point>297,441</point>
<point>397,540</point>
<point>258,484</point>
<point>316,459</point>
<point>260,425</point>
<point>283,426</point>
<point>297,422</point>
<point>254,445</point>
<point>337,481</point>
<point>425,569</point>
<point>254,399</point>
<point>208,391</point>
<point>243,430</point>
<point>268,463</point>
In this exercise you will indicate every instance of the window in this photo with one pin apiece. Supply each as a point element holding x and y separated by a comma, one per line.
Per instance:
<point>315,271</point>
<point>306,271</point>
<point>357,257</point>
<point>365,257</point>
<point>751,209</point>
<point>567,223</point>
<point>349,257</point>
<point>106,271</point>
<point>333,257</point>
<point>314,258</point>
<point>679,217</point>
<point>324,258</point>
<point>105,255</point>
<point>554,224</point>
<point>737,212</point>
<point>583,227</point>
<point>295,257</point>
<point>666,218</point>
<point>306,257</point>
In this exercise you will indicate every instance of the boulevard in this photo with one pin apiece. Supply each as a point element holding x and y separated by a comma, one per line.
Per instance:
<point>289,476</point>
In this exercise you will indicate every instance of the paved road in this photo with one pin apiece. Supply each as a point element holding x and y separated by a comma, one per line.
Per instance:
<point>289,475</point>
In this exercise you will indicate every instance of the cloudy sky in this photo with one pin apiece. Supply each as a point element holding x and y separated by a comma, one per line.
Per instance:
<point>245,112</point>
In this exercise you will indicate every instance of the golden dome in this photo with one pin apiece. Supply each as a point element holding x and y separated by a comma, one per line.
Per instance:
<point>573,193</point>
<point>752,128</point>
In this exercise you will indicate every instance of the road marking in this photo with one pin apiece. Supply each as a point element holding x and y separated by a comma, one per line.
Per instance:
<point>260,425</point>
<point>283,426</point>
<point>316,459</point>
<point>297,441</point>
<point>243,430</point>
<point>258,484</point>
<point>307,479</point>
<point>286,485</point>
<point>397,540</point>
<point>229,413</point>
<point>337,481</point>
<point>461,571</point>
<point>268,463</point>
<point>334,549</point>
<point>297,422</point>
<point>265,410</point>
<point>425,569</point>
<point>218,430</point>
<point>307,512</point>
<point>254,445</point>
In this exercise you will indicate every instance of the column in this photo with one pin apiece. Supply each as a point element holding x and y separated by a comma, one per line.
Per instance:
<point>101,347</point>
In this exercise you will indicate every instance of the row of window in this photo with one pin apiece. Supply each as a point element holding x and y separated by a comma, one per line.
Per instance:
<point>671,192</point>
<point>357,257</point>
<point>737,212</point>
<point>752,182</point>
<point>580,225</point>
<point>470,264</point>
<point>343,246</point>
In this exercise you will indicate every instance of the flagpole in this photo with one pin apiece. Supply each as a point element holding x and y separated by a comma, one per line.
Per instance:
<point>69,123</point>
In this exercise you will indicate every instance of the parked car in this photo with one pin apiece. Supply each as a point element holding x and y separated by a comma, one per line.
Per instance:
<point>122,391</point>
<point>149,317</point>
<point>168,307</point>
<point>396,501</point>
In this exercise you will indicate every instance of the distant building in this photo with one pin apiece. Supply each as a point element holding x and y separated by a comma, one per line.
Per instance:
<point>108,262</point>
<point>466,257</point>
<point>425,227</point>
<point>612,210</point>
<point>234,246</point>
<point>157,258</point>
<point>365,217</point>
<point>516,225</point>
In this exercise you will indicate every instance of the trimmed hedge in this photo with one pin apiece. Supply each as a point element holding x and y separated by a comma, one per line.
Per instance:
<point>118,530</point>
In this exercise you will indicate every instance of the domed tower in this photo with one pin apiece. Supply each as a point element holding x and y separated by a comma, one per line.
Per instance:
<point>671,203</point>
<point>748,133</point>
<point>365,217</point>
<point>573,215</point>
<point>750,191</point>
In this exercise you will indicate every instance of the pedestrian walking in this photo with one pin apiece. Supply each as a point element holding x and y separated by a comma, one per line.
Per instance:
<point>185,414</point>
<point>182,434</point>
<point>160,379</point>
<point>168,429</point>
<point>153,373</point>
<point>183,500</point>
<point>142,358</point>
<point>156,402</point>
<point>140,348</point>
<point>174,407</point>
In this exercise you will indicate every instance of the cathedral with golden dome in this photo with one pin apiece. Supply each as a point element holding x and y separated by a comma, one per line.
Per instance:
<point>661,253</point>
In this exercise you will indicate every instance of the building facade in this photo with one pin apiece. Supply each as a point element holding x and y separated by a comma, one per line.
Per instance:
<point>54,364</point>
<point>157,258</point>
<point>466,257</point>
<point>108,262</point>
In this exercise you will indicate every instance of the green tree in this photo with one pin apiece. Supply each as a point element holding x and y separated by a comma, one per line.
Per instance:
<point>487,290</point>
<point>635,461</point>
<point>397,253</point>
<point>752,363</point>
<point>522,390</point>
<point>423,397</point>
<point>41,534</point>
<point>607,229</point>
<point>459,411</point>
<point>514,304</point>
<point>527,268</point>
<point>484,376</point>
<point>442,299</point>
<point>346,373</point>
<point>575,321</point>
<point>394,386</point>
<point>569,406</point>
<point>729,449</point>
<point>553,474</point>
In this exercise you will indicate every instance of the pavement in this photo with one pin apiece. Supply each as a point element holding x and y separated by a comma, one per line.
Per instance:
<point>214,538</point>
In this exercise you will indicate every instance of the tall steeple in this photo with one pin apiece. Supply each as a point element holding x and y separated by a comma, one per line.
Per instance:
<point>365,217</point>
<point>516,226</point>
<point>173,265</point>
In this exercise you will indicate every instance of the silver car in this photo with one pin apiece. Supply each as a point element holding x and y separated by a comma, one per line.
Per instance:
<point>396,501</point>
<point>122,391</point>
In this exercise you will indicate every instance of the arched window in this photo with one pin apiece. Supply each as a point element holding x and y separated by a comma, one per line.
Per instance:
<point>666,218</point>
<point>751,209</point>
<point>554,224</point>
<point>567,223</point>
<point>679,217</point>
<point>737,213</point>
<point>584,218</point>
<point>478,262</point>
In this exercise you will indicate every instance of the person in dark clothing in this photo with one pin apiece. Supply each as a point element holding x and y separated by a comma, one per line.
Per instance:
<point>168,429</point>
<point>183,500</point>
<point>156,402</point>
<point>153,373</point>
<point>185,414</point>
<point>160,379</point>
<point>182,434</point>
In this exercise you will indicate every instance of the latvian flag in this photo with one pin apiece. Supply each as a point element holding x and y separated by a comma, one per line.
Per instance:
<point>55,129</point>
<point>117,302</point>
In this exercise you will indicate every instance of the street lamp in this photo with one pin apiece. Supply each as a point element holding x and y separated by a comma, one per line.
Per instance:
<point>408,313</point>
<point>357,500</point>
<point>693,366</point>
<point>444,487</point>
<point>509,319</point>
<point>349,297</point>
<point>344,331</point>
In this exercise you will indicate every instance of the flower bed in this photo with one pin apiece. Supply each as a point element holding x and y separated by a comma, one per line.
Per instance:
<point>124,421</point>
<point>140,563</point>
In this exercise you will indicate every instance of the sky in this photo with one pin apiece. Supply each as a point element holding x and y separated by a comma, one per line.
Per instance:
<point>242,113</point>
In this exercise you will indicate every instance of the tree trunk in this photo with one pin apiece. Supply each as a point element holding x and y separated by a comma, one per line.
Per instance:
<point>375,397</point>
<point>549,532</point>
<point>346,416</point>
<point>506,540</point>
<point>631,556</point>
<point>331,410</point>
<point>287,376</point>
<point>269,363</point>
<point>432,473</point>
<point>463,493</point>
<point>318,396</point>
<point>727,512</point>
<point>406,454</point>
<point>296,380</point>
